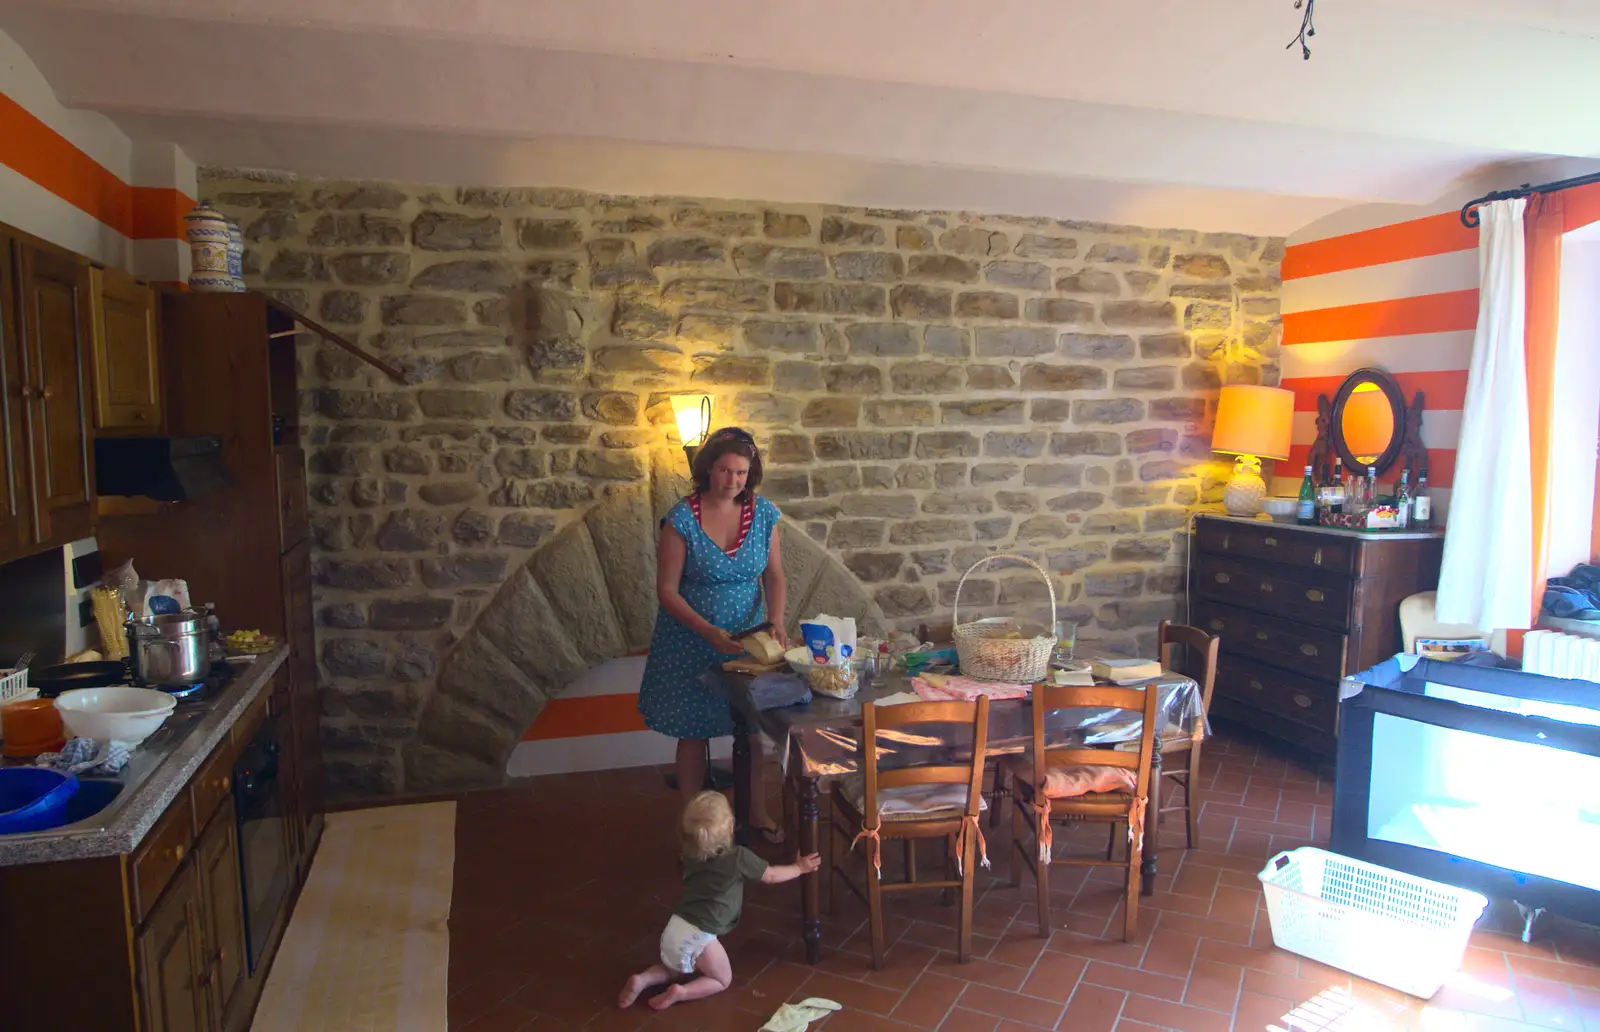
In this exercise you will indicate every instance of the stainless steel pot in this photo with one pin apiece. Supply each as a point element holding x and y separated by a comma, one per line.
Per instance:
<point>168,651</point>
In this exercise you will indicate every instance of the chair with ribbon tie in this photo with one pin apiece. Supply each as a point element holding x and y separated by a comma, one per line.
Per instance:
<point>1104,785</point>
<point>939,800</point>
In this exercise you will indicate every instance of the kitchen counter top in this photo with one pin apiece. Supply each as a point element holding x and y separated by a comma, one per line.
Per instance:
<point>148,792</point>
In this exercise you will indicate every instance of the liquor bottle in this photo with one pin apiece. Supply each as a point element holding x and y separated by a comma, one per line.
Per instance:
<point>1371,490</point>
<point>1339,490</point>
<point>1402,500</point>
<point>1422,505</point>
<point>1307,511</point>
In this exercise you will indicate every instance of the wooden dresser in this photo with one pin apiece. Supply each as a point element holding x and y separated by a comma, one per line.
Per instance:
<point>1297,609</point>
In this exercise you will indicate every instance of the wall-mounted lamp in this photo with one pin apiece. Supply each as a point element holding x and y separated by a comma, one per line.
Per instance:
<point>1253,423</point>
<point>693,413</point>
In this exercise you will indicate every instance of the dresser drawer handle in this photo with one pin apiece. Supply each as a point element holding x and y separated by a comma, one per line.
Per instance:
<point>1308,649</point>
<point>1270,542</point>
<point>1221,578</point>
<point>1266,587</point>
<point>1255,684</point>
<point>175,854</point>
<point>1217,625</point>
<point>1303,701</point>
<point>1261,636</point>
<point>1316,557</point>
<point>1313,595</point>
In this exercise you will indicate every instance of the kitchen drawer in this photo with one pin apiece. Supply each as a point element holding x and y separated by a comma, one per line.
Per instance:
<point>211,786</point>
<point>1293,546</point>
<point>158,856</point>
<point>292,496</point>
<point>1317,597</point>
<point>1290,696</point>
<point>251,720</point>
<point>1300,648</point>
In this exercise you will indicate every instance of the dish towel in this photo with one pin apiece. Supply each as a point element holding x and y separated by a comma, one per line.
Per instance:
<point>87,758</point>
<point>794,1017</point>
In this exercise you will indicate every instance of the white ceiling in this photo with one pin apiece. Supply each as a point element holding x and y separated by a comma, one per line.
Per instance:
<point>1157,112</point>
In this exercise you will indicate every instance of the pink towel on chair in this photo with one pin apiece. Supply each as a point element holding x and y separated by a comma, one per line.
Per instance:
<point>967,689</point>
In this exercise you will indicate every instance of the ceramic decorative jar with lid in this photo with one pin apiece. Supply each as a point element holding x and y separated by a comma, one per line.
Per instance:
<point>207,233</point>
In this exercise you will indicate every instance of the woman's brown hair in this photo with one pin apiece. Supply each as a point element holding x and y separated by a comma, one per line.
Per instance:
<point>729,440</point>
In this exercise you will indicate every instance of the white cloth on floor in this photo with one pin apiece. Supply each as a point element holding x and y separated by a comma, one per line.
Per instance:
<point>794,1017</point>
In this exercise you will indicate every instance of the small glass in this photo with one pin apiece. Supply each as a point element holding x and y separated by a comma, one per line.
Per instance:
<point>1066,643</point>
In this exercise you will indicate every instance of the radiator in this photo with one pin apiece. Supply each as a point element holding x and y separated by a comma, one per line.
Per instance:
<point>1557,654</point>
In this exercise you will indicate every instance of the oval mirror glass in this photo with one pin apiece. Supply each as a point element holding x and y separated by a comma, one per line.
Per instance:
<point>1369,420</point>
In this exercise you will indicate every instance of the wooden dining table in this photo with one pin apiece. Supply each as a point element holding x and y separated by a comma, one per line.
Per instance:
<point>817,742</point>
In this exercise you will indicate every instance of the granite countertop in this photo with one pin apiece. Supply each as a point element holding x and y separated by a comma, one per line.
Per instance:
<point>1401,535</point>
<point>147,798</point>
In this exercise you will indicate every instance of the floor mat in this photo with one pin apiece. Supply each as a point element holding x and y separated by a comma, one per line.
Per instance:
<point>368,947</point>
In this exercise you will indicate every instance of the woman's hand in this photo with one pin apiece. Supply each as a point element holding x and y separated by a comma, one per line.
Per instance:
<point>779,636</point>
<point>724,641</point>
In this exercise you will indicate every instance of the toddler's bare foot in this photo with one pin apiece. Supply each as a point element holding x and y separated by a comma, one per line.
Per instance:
<point>630,992</point>
<point>672,995</point>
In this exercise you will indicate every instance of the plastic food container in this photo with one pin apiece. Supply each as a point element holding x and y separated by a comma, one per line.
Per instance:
<point>34,798</point>
<point>117,712</point>
<point>1386,926</point>
<point>32,726</point>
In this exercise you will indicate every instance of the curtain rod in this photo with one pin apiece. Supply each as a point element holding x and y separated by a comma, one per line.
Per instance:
<point>1469,211</point>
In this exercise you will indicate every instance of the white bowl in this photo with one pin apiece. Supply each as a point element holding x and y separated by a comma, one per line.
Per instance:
<point>1280,509</point>
<point>118,712</point>
<point>799,659</point>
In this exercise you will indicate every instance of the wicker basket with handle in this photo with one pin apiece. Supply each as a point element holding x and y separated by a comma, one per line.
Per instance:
<point>984,648</point>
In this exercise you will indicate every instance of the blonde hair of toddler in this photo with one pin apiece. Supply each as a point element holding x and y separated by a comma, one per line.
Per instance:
<point>707,826</point>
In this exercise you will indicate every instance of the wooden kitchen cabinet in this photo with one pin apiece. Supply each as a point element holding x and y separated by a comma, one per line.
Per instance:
<point>172,961</point>
<point>16,520</point>
<point>127,353</point>
<point>217,858</point>
<point>53,288</point>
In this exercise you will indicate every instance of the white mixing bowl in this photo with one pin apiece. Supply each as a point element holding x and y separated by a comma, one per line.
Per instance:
<point>119,712</point>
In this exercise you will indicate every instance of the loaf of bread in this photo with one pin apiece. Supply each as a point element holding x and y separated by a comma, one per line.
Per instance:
<point>763,647</point>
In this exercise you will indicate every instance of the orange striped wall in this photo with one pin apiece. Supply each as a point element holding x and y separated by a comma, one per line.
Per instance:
<point>1402,297</point>
<point>117,201</point>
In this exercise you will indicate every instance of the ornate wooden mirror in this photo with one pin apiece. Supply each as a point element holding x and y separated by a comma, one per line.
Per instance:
<point>1369,425</point>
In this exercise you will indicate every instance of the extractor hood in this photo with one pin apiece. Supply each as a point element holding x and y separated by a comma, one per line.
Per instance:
<point>168,469</point>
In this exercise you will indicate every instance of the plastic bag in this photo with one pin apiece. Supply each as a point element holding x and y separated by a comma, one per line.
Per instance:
<point>154,598</point>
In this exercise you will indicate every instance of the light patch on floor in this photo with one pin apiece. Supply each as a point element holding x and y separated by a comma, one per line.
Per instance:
<point>368,947</point>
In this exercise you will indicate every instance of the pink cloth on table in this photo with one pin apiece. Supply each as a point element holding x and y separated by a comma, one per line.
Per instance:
<point>967,689</point>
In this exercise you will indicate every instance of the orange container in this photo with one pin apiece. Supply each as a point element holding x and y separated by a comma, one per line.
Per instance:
<point>32,726</point>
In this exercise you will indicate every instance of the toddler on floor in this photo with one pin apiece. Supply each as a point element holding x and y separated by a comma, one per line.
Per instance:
<point>714,873</point>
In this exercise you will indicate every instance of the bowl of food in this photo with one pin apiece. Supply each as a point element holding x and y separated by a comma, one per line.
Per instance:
<point>799,659</point>
<point>248,643</point>
<point>1281,509</point>
<point>117,712</point>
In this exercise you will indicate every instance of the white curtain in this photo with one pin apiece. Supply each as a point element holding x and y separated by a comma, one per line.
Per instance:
<point>1487,576</point>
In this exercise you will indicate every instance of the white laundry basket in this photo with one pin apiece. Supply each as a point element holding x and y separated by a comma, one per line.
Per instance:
<point>1405,932</point>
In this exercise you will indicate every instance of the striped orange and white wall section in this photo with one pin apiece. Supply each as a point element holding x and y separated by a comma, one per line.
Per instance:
<point>595,725</point>
<point>75,179</point>
<point>1363,291</point>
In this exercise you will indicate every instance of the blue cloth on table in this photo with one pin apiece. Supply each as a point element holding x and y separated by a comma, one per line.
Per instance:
<point>775,691</point>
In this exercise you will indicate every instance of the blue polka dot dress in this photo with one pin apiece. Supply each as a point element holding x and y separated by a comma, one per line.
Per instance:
<point>724,589</point>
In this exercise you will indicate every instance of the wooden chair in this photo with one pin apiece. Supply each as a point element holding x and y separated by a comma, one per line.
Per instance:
<point>1035,810</point>
<point>1180,752</point>
<point>957,825</point>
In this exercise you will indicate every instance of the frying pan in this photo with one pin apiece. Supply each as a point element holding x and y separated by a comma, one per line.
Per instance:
<point>52,681</point>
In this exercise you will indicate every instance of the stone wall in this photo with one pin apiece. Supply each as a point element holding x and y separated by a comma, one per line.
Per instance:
<point>927,388</point>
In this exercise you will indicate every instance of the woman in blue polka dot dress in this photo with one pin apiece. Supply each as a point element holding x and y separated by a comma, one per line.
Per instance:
<point>717,556</point>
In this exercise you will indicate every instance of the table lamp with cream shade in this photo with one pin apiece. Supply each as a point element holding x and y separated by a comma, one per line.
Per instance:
<point>1253,423</point>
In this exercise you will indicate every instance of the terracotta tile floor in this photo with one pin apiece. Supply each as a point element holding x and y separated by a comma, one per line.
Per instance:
<point>562,886</point>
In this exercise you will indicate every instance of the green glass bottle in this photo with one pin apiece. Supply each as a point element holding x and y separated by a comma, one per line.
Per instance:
<point>1307,512</point>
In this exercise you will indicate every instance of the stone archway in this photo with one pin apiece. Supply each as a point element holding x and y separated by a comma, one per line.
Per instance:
<point>584,597</point>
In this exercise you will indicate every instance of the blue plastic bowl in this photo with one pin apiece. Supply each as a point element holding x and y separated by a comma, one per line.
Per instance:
<point>34,798</point>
